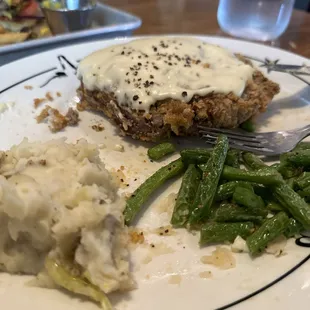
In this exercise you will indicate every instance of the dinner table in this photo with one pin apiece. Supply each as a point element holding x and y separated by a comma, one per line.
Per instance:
<point>200,17</point>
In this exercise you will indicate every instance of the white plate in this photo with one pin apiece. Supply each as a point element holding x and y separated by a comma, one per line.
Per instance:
<point>277,283</point>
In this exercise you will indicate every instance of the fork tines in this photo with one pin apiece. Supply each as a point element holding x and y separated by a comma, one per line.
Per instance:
<point>238,139</point>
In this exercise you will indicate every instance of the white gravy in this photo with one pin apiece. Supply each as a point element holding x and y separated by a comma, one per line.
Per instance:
<point>144,71</point>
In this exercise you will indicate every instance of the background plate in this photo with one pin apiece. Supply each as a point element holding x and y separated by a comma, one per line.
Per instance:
<point>107,22</point>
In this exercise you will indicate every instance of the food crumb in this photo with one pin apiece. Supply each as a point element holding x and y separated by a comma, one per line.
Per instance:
<point>221,258</point>
<point>175,279</point>
<point>119,177</point>
<point>6,106</point>
<point>72,117</point>
<point>82,106</point>
<point>98,127</point>
<point>28,87</point>
<point>205,274</point>
<point>119,148</point>
<point>239,245</point>
<point>43,115</point>
<point>277,246</point>
<point>127,196</point>
<point>57,121</point>
<point>136,236</point>
<point>38,101</point>
<point>58,94</point>
<point>147,277</point>
<point>49,97</point>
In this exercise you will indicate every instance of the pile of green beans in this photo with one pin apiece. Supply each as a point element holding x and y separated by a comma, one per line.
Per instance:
<point>224,201</point>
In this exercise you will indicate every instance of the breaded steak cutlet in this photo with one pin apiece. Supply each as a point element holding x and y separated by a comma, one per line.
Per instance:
<point>154,87</point>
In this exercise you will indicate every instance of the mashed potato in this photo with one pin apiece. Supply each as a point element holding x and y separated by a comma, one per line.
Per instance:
<point>58,200</point>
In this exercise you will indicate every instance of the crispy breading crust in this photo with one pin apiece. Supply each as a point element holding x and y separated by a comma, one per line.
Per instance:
<point>181,118</point>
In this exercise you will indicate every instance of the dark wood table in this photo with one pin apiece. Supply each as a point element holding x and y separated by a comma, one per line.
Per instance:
<point>199,17</point>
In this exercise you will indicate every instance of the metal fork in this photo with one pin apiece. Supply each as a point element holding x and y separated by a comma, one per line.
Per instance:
<point>266,143</point>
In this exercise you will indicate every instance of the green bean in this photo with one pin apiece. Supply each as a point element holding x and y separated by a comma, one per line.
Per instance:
<point>291,182</point>
<point>248,199</point>
<point>201,156</point>
<point>198,198</point>
<point>293,203</point>
<point>186,196</point>
<point>233,158</point>
<point>224,232</point>
<point>275,166</point>
<point>263,192</point>
<point>305,193</point>
<point>142,193</point>
<point>270,230</point>
<point>266,176</point>
<point>273,206</point>
<point>161,150</point>
<point>299,158</point>
<point>288,171</point>
<point>195,156</point>
<point>226,190</point>
<point>228,212</point>
<point>302,146</point>
<point>306,189</point>
<point>210,178</point>
<point>303,180</point>
<point>248,126</point>
<point>293,228</point>
<point>253,162</point>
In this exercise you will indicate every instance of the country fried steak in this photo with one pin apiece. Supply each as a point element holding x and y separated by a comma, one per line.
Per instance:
<point>182,113</point>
